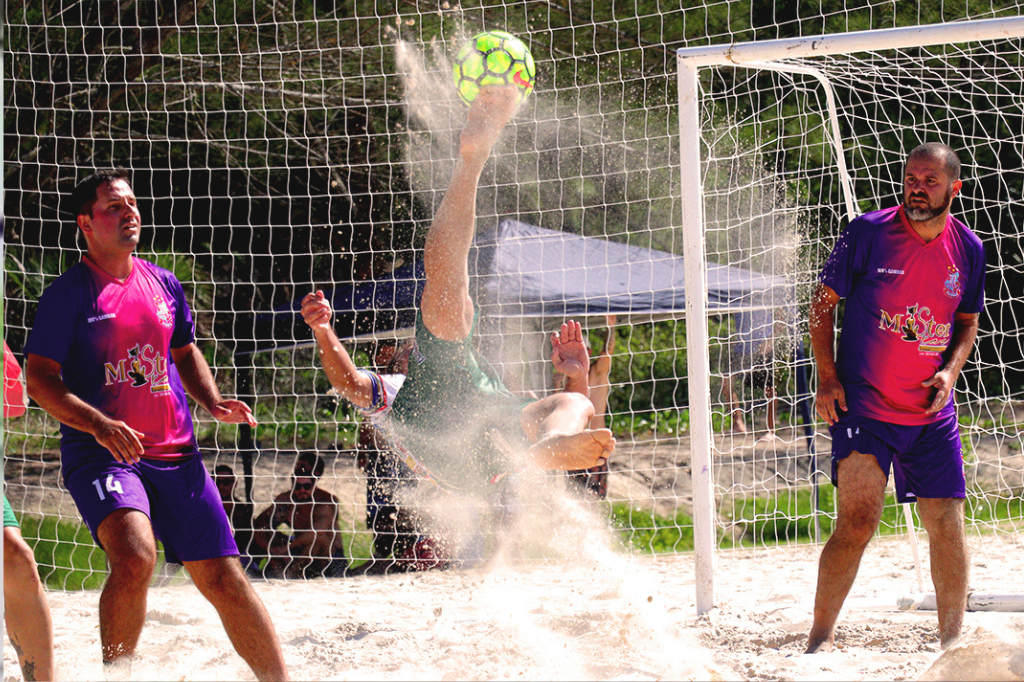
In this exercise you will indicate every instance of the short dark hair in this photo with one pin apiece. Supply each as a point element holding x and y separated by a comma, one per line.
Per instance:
<point>311,458</point>
<point>223,470</point>
<point>83,196</point>
<point>404,352</point>
<point>940,152</point>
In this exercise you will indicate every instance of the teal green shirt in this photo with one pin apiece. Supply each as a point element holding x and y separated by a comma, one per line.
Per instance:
<point>448,409</point>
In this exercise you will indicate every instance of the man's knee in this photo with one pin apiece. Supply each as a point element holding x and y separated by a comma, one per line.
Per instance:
<point>861,497</point>
<point>134,569</point>
<point>220,579</point>
<point>942,516</point>
<point>19,562</point>
<point>128,540</point>
<point>857,526</point>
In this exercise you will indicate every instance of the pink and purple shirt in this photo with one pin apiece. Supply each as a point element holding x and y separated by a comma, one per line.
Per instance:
<point>902,294</point>
<point>112,340</point>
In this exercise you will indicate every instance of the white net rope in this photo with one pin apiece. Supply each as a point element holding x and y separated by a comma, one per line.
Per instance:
<point>775,203</point>
<point>281,147</point>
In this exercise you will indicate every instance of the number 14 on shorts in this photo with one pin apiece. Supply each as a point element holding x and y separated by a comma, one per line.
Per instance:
<point>113,486</point>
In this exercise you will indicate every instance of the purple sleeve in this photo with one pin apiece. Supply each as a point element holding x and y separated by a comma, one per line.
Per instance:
<point>184,326</point>
<point>53,328</point>
<point>973,300</point>
<point>846,262</point>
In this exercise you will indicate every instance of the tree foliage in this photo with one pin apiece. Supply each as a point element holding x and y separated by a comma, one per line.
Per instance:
<point>268,139</point>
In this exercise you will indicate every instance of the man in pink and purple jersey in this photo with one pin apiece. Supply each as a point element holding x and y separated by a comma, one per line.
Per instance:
<point>913,278</point>
<point>110,356</point>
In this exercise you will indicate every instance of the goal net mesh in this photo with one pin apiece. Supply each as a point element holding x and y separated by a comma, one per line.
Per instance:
<point>277,148</point>
<point>775,202</point>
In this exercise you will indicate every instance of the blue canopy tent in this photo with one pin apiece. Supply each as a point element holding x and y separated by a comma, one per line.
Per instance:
<point>520,270</point>
<point>523,271</point>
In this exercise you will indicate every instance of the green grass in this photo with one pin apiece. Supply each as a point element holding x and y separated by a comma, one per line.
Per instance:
<point>1004,512</point>
<point>68,558</point>
<point>783,519</point>
<point>642,532</point>
<point>358,545</point>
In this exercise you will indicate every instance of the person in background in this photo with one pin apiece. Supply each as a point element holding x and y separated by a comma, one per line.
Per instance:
<point>26,611</point>
<point>387,478</point>
<point>298,532</point>
<point>752,364</point>
<point>111,355</point>
<point>238,511</point>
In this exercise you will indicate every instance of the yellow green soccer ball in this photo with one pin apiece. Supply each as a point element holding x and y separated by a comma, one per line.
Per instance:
<point>493,58</point>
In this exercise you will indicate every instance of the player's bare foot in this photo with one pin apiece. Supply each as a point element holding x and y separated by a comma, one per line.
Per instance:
<point>490,112</point>
<point>769,437</point>
<point>819,645</point>
<point>572,452</point>
<point>948,639</point>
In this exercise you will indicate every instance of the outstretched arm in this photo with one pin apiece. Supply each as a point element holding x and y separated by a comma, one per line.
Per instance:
<point>823,341</point>
<point>446,306</point>
<point>601,368</point>
<point>341,371</point>
<point>197,379</point>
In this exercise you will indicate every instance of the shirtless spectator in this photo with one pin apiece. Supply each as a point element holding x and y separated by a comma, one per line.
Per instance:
<point>298,532</point>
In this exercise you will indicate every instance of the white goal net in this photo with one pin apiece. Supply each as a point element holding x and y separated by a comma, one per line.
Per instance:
<point>281,147</point>
<point>795,139</point>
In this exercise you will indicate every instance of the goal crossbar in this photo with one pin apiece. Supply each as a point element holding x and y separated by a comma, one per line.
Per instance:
<point>769,55</point>
<point>856,41</point>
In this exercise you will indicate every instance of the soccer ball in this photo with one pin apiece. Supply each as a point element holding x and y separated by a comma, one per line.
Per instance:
<point>493,58</point>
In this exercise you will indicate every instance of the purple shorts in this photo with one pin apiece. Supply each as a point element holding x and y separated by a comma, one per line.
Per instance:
<point>178,496</point>
<point>926,460</point>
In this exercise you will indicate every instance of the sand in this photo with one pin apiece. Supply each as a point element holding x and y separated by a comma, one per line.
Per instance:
<point>560,604</point>
<point>600,615</point>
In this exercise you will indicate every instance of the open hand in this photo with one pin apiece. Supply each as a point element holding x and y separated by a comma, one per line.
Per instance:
<point>233,412</point>
<point>830,394</point>
<point>943,382</point>
<point>123,442</point>
<point>569,354</point>
<point>490,112</point>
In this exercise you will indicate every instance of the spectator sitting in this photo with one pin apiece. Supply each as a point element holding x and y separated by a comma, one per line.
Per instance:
<point>752,363</point>
<point>386,478</point>
<point>398,545</point>
<point>239,512</point>
<point>309,544</point>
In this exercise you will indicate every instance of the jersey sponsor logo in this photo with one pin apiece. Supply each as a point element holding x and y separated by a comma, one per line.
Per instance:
<point>163,312</point>
<point>953,288</point>
<point>917,325</point>
<point>100,318</point>
<point>143,366</point>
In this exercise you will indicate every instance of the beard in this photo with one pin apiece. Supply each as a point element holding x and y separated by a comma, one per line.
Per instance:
<point>921,214</point>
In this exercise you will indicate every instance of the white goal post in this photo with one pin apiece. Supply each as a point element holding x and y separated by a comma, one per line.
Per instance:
<point>830,147</point>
